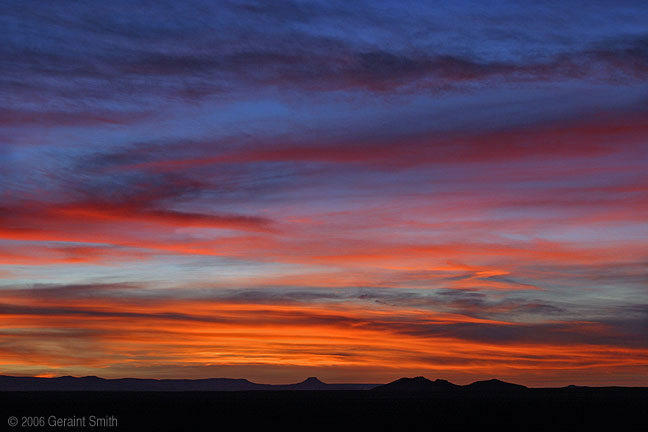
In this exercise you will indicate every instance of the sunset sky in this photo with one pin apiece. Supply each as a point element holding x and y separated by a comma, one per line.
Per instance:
<point>354,190</point>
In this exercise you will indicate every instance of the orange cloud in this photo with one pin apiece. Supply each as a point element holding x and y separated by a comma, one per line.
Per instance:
<point>179,332</point>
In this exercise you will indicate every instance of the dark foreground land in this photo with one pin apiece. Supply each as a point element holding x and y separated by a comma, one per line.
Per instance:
<point>563,409</point>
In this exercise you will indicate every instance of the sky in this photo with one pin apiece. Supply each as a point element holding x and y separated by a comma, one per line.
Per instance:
<point>357,191</point>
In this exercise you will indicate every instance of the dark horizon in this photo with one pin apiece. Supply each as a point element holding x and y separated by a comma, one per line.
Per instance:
<point>408,404</point>
<point>222,383</point>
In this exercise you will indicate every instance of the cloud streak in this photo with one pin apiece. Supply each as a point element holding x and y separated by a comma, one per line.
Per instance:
<point>305,334</point>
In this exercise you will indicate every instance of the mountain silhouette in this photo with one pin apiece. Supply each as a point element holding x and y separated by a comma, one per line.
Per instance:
<point>422,384</point>
<point>418,384</point>
<point>93,383</point>
<point>494,385</point>
<point>311,383</point>
<point>314,383</point>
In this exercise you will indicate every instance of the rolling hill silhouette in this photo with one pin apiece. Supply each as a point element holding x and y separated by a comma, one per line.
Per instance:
<point>93,383</point>
<point>418,384</point>
<point>494,385</point>
<point>311,383</point>
<point>422,384</point>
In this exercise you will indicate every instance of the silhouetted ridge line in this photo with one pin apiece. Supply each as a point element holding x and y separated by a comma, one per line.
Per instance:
<point>494,385</point>
<point>422,384</point>
<point>93,383</point>
<point>419,384</point>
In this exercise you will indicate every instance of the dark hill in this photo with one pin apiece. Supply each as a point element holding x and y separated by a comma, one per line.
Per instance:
<point>419,384</point>
<point>311,383</point>
<point>494,385</point>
